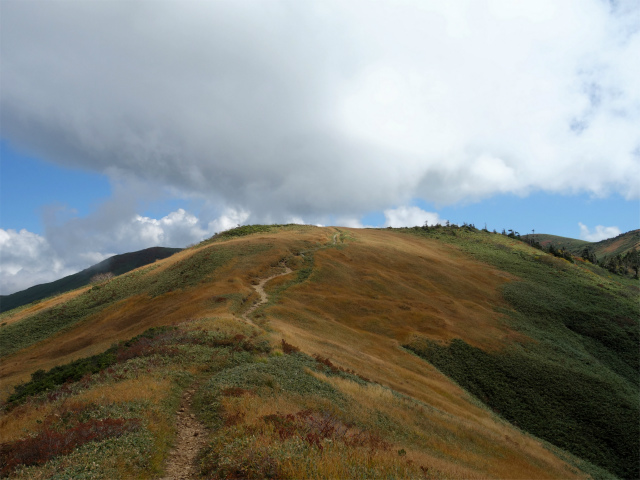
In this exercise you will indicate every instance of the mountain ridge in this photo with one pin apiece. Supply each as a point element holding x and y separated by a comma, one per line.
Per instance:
<point>352,336</point>
<point>603,249</point>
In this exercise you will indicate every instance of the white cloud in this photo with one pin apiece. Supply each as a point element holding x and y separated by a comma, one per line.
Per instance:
<point>410,217</point>
<point>230,219</point>
<point>176,229</point>
<point>313,109</point>
<point>600,233</point>
<point>27,259</point>
<point>348,221</point>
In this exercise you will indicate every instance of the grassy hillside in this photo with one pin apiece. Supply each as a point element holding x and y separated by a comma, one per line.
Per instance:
<point>384,353</point>
<point>604,249</point>
<point>573,245</point>
<point>117,265</point>
<point>576,383</point>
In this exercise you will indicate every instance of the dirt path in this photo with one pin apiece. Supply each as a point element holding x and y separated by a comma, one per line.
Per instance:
<point>263,295</point>
<point>190,439</point>
<point>260,286</point>
<point>191,433</point>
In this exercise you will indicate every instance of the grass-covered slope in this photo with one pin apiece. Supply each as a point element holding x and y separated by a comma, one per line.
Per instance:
<point>573,380</point>
<point>270,410</point>
<point>573,245</point>
<point>316,382</point>
<point>604,249</point>
<point>117,265</point>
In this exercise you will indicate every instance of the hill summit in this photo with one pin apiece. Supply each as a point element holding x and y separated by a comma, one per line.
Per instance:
<point>297,351</point>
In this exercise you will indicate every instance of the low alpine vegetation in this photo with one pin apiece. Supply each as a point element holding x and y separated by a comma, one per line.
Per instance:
<point>53,441</point>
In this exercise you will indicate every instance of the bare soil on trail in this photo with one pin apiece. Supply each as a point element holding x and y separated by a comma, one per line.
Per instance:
<point>263,295</point>
<point>191,438</point>
<point>260,286</point>
<point>191,435</point>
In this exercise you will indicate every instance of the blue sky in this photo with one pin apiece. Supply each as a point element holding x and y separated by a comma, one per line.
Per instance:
<point>547,213</point>
<point>31,186</point>
<point>193,117</point>
<point>76,193</point>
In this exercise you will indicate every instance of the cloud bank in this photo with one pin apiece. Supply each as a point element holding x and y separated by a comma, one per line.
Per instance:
<point>310,108</point>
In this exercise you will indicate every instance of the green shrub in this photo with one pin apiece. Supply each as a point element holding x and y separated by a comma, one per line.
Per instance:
<point>581,413</point>
<point>575,383</point>
<point>228,351</point>
<point>278,373</point>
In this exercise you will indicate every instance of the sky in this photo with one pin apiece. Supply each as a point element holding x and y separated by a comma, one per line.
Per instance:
<point>126,125</point>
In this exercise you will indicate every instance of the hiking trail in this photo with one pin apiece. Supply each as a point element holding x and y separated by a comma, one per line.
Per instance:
<point>260,286</point>
<point>190,438</point>
<point>191,434</point>
<point>264,298</point>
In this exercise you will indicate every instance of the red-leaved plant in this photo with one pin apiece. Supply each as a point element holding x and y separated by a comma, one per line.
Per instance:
<point>50,442</point>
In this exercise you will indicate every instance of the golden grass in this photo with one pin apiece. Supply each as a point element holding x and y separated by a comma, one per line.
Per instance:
<point>32,309</point>
<point>397,285</point>
<point>495,452</point>
<point>365,297</point>
<point>28,417</point>
<point>121,321</point>
<point>134,315</point>
<point>145,388</point>
<point>364,300</point>
<point>335,461</point>
<point>23,420</point>
<point>447,446</point>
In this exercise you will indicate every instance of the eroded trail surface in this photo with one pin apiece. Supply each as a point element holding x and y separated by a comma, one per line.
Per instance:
<point>191,438</point>
<point>263,295</point>
<point>191,433</point>
<point>260,286</point>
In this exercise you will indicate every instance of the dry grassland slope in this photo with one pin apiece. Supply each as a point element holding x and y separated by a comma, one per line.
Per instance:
<point>354,296</point>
